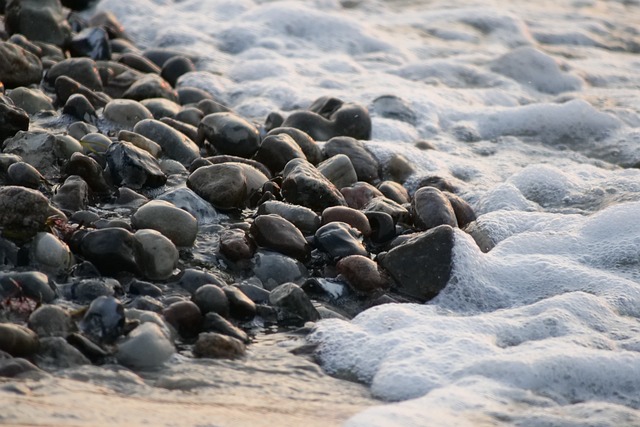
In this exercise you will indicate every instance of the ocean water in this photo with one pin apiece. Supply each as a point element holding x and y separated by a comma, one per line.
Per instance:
<point>533,110</point>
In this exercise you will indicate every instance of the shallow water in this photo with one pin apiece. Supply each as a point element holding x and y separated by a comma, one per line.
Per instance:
<point>533,109</point>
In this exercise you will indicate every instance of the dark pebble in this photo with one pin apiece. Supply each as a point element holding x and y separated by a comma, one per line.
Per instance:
<point>186,317</point>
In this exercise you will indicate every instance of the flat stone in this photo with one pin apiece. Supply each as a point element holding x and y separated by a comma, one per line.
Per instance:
<point>276,233</point>
<point>174,144</point>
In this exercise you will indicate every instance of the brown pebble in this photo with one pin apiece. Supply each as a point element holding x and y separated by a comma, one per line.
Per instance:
<point>185,316</point>
<point>361,273</point>
<point>351,216</point>
<point>359,194</point>
<point>236,245</point>
<point>217,346</point>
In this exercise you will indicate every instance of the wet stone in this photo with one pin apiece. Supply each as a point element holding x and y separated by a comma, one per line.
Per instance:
<point>174,144</point>
<point>394,191</point>
<point>351,216</point>
<point>145,348</point>
<point>421,267</point>
<point>218,346</point>
<point>187,200</point>
<point>176,224</point>
<point>306,220</point>
<point>57,353</point>
<point>151,86</point>
<point>191,279</point>
<point>25,175</point>
<point>104,320</point>
<point>213,322</point>
<point>82,70</point>
<point>12,121</point>
<point>110,250</point>
<point>236,245</point>
<point>274,269</point>
<point>190,115</point>
<point>294,305</point>
<point>32,101</point>
<point>185,317</point>
<point>381,204</point>
<point>86,290</point>
<point>140,287</point>
<point>138,62</point>
<point>156,255</point>
<point>393,107</point>
<point>240,306</point>
<point>364,163</point>
<point>133,167</point>
<point>382,225</point>
<point>50,254</point>
<point>79,107</point>
<point>72,195</point>
<point>92,42</point>
<point>255,293</point>
<point>191,95</point>
<point>431,208</point>
<point>304,185</point>
<point>41,20</point>
<point>399,168</point>
<point>223,185</point>
<point>276,233</point>
<point>23,212</point>
<point>126,113</point>
<point>276,150</point>
<point>309,147</point>
<point>359,194</point>
<point>361,273</point>
<point>464,212</point>
<point>66,86</point>
<point>31,284</point>
<point>17,340</point>
<point>175,67</point>
<point>146,303</point>
<point>51,321</point>
<point>229,134</point>
<point>211,298</point>
<point>35,148</point>
<point>339,170</point>
<point>339,240</point>
<point>89,170</point>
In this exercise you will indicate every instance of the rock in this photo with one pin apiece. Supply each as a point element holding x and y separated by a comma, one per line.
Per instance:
<point>225,158</point>
<point>140,287</point>
<point>255,293</point>
<point>276,233</point>
<point>23,42</point>
<point>174,144</point>
<point>273,120</point>
<point>18,67</point>
<point>24,212</point>
<point>191,279</point>
<point>150,86</point>
<point>31,284</point>
<point>92,42</point>
<point>178,225</point>
<point>57,353</point>
<point>140,141</point>
<point>79,107</point>
<point>304,185</point>
<point>339,170</point>
<point>187,200</point>
<point>308,146</point>
<point>20,368</point>
<point>138,62</point>
<point>229,134</point>
<point>306,220</point>
<point>211,298</point>
<point>211,106</point>
<point>82,70</point>
<point>294,305</point>
<point>87,347</point>
<point>119,77</point>
<point>213,322</point>
<point>440,183</point>
<point>223,185</point>
<point>240,306</point>
<point>192,95</point>
<point>17,340</point>
<point>89,170</point>
<point>162,108</point>
<point>235,245</point>
<point>381,204</point>
<point>12,121</point>
<point>126,113</point>
<point>275,151</point>
<point>185,317</point>
<point>110,250</point>
<point>190,115</point>
<point>35,148</point>
<point>104,320</point>
<point>364,163</point>
<point>78,130</point>
<point>156,255</point>
<point>86,290</point>
<point>65,146</point>
<point>133,167</point>
<point>274,269</point>
<point>393,107</point>
<point>66,86</point>
<point>339,240</point>
<point>383,227</point>
<point>361,273</point>
<point>50,254</point>
<point>72,195</point>
<point>51,321</point>
<point>421,267</point>
<point>32,101</point>
<point>464,212</point>
<point>25,175</point>
<point>394,191</point>
<point>175,67</point>
<point>145,348</point>
<point>431,208</point>
<point>38,20</point>
<point>217,346</point>
<point>353,217</point>
<point>399,167</point>
<point>358,195</point>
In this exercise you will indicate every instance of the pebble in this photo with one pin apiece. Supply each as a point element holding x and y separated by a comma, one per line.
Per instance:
<point>361,273</point>
<point>275,151</point>
<point>110,250</point>
<point>236,245</point>
<point>79,107</point>
<point>185,317</point>
<point>359,194</point>
<point>175,67</point>
<point>431,208</point>
<point>229,134</point>
<point>65,146</point>
<point>13,120</point>
<point>24,212</point>
<point>138,62</point>
<point>38,20</point>
<point>35,148</point>
<point>306,220</point>
<point>25,175</point>
<point>145,348</point>
<point>213,322</point>
<point>87,347</point>
<point>140,141</point>
<point>32,101</point>
<point>294,305</point>
<point>185,199</point>
<point>126,113</point>
<point>57,353</point>
<point>405,262</point>
<point>339,170</point>
<point>191,279</point>
<point>353,217</point>
<point>66,86</point>
<point>273,269</point>
<point>174,144</point>
<point>133,167</point>
<point>399,168</point>
<point>150,86</point>
<point>364,163</point>
<point>339,240</point>
<point>223,185</point>
<point>82,70</point>
<point>17,340</point>
<point>190,115</point>
<point>104,320</point>
<point>382,225</point>
<point>156,255</point>
<point>178,225</point>
<point>464,212</point>
<point>394,107</point>
<point>140,287</point>
<point>211,298</point>
<point>86,290</point>
<point>309,147</point>
<point>394,191</point>
<point>92,42</point>
<point>240,306</point>
<point>218,346</point>
<point>89,170</point>
<point>51,321</point>
<point>276,233</point>
<point>399,213</point>
<point>50,254</point>
<point>162,108</point>
<point>304,185</point>
<point>191,95</point>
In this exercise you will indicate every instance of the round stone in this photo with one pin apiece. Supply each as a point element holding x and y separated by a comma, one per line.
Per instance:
<point>178,225</point>
<point>51,321</point>
<point>353,217</point>
<point>145,348</point>
<point>185,317</point>
<point>18,67</point>
<point>218,346</point>
<point>431,208</point>
<point>361,273</point>
<point>17,340</point>
<point>156,255</point>
<point>211,298</point>
<point>276,233</point>
<point>50,253</point>
<point>339,240</point>
<point>223,185</point>
<point>126,112</point>
<point>229,134</point>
